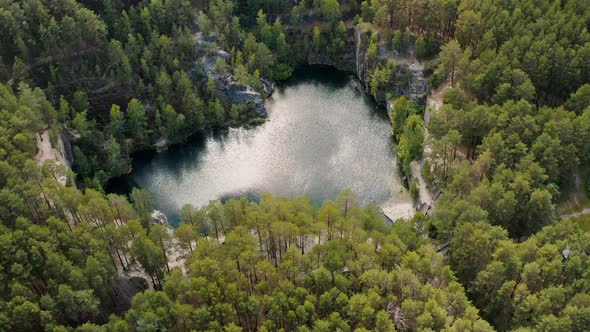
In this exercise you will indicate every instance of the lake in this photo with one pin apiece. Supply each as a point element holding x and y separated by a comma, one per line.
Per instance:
<point>322,135</point>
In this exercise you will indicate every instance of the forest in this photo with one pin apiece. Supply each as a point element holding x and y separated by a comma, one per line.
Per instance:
<point>509,144</point>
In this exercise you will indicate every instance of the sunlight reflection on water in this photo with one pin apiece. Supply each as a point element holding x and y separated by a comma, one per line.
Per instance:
<point>322,135</point>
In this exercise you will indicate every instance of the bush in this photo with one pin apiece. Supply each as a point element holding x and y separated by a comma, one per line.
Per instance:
<point>587,184</point>
<point>414,192</point>
<point>436,79</point>
<point>456,97</point>
<point>426,172</point>
<point>281,71</point>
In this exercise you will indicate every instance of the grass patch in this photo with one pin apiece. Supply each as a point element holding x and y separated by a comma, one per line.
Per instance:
<point>583,222</point>
<point>582,202</point>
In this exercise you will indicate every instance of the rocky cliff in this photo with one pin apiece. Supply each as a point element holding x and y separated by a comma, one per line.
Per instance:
<point>409,72</point>
<point>230,91</point>
<point>408,78</point>
<point>343,60</point>
<point>60,151</point>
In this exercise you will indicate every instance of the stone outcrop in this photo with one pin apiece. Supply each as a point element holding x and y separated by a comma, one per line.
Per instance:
<point>158,217</point>
<point>418,83</point>
<point>351,58</point>
<point>230,91</point>
<point>124,289</point>
<point>344,60</point>
<point>406,66</point>
<point>61,153</point>
<point>360,53</point>
<point>65,147</point>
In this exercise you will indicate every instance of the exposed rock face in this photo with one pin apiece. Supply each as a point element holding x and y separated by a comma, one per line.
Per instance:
<point>158,217</point>
<point>124,289</point>
<point>61,154</point>
<point>344,60</point>
<point>161,145</point>
<point>66,149</point>
<point>229,91</point>
<point>406,66</point>
<point>351,58</point>
<point>360,56</point>
<point>418,83</point>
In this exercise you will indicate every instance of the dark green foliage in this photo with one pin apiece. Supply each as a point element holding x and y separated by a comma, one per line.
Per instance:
<point>414,191</point>
<point>408,131</point>
<point>420,48</point>
<point>281,71</point>
<point>62,246</point>
<point>513,51</point>
<point>116,77</point>
<point>580,100</point>
<point>411,142</point>
<point>138,60</point>
<point>540,283</point>
<point>436,17</point>
<point>402,109</point>
<point>522,156</point>
<point>286,264</point>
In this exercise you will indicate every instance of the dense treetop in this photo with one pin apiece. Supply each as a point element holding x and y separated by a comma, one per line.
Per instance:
<point>284,264</point>
<point>115,77</point>
<point>539,284</point>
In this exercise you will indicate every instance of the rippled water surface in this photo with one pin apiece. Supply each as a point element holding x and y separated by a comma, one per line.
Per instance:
<point>322,135</point>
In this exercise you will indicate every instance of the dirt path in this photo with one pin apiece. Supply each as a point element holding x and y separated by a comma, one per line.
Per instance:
<point>575,214</point>
<point>435,99</point>
<point>575,203</point>
<point>433,103</point>
<point>427,197</point>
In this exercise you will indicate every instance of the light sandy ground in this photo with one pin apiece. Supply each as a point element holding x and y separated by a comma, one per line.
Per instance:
<point>394,209</point>
<point>435,99</point>
<point>426,197</point>
<point>45,151</point>
<point>575,214</point>
<point>177,257</point>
